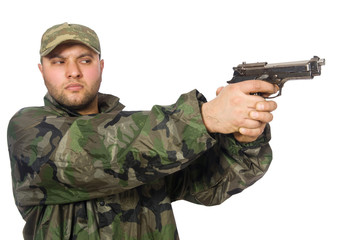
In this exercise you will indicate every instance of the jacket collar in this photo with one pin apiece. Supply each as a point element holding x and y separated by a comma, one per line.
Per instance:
<point>106,103</point>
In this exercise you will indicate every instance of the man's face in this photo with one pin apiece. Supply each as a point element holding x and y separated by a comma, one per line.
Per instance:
<point>72,74</point>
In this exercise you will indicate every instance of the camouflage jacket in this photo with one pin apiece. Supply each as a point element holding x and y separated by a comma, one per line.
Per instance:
<point>113,175</point>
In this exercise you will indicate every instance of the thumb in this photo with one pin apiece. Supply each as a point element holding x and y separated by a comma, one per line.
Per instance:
<point>219,90</point>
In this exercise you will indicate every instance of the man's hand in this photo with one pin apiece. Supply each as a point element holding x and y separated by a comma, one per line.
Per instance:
<point>236,111</point>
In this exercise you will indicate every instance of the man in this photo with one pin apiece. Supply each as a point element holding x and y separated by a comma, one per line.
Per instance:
<point>83,168</point>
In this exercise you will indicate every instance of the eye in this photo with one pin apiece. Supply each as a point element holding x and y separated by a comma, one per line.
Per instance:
<point>86,61</point>
<point>57,61</point>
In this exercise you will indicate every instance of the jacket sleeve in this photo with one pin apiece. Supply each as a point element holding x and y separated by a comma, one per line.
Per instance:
<point>60,159</point>
<point>227,168</point>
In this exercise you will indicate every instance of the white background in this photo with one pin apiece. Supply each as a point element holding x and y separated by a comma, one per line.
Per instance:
<point>156,50</point>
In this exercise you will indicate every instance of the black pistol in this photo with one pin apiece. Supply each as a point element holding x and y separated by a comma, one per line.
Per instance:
<point>278,73</point>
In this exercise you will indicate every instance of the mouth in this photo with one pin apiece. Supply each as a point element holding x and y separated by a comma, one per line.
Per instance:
<point>74,87</point>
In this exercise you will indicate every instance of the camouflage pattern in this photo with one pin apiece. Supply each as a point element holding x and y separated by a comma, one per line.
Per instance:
<point>115,174</point>
<point>68,32</point>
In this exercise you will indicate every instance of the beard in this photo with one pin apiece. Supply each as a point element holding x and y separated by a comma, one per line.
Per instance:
<point>77,104</point>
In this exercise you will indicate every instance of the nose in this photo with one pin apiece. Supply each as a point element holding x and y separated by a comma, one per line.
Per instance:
<point>73,70</point>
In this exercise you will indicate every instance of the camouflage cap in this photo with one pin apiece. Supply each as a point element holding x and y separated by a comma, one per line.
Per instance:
<point>68,32</point>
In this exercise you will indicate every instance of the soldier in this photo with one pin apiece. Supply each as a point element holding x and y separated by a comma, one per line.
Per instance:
<point>83,168</point>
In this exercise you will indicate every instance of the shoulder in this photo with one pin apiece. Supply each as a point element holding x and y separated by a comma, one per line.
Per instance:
<point>29,113</point>
<point>30,116</point>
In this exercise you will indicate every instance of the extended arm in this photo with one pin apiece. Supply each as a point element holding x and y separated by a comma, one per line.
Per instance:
<point>241,154</point>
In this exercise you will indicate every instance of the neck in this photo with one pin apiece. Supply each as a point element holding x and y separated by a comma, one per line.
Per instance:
<point>92,108</point>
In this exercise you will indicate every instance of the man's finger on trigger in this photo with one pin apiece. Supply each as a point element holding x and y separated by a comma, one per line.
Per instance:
<point>256,86</point>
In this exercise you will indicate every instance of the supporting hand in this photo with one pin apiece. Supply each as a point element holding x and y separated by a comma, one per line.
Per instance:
<point>236,111</point>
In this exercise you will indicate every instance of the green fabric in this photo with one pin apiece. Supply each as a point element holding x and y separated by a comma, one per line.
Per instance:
<point>113,175</point>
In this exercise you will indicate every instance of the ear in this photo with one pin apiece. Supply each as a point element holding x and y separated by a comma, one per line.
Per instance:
<point>101,65</point>
<point>40,66</point>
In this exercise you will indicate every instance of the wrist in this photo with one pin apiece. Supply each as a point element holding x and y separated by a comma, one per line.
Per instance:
<point>207,118</point>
